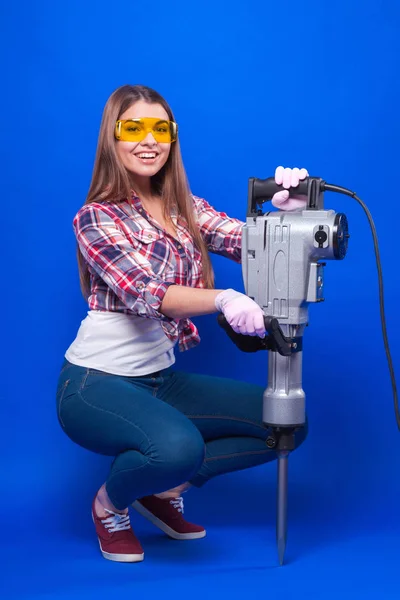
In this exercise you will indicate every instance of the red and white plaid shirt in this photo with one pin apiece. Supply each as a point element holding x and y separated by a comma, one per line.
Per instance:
<point>132,261</point>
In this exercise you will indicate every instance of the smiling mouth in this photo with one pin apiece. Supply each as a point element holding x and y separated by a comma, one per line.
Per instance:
<point>146,155</point>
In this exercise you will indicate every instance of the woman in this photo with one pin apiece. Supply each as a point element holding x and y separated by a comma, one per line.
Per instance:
<point>143,243</point>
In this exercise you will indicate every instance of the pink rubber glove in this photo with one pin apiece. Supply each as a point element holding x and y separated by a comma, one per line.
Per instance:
<point>242,313</point>
<point>289,178</point>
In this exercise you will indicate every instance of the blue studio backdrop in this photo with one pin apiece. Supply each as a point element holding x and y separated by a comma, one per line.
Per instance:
<point>314,85</point>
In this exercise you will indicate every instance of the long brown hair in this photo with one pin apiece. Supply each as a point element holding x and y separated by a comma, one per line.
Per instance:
<point>111,182</point>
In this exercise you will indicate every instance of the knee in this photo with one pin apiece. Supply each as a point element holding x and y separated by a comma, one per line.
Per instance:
<point>181,452</point>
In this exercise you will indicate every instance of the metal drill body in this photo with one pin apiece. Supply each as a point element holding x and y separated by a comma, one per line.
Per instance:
<point>282,274</point>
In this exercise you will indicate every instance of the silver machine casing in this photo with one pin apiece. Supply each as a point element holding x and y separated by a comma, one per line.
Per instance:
<point>281,273</point>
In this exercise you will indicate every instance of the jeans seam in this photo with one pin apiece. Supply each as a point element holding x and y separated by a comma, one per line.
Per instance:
<point>84,379</point>
<point>79,393</point>
<point>64,387</point>
<point>236,454</point>
<point>130,468</point>
<point>119,471</point>
<point>257,424</point>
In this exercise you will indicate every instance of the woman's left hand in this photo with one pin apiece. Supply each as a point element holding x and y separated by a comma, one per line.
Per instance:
<point>289,178</point>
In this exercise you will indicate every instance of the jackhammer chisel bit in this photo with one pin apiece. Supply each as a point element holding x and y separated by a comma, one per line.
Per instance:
<point>282,498</point>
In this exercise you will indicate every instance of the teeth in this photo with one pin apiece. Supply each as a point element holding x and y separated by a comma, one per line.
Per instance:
<point>147,155</point>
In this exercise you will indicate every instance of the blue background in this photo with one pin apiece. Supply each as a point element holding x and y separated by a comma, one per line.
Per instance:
<point>316,85</point>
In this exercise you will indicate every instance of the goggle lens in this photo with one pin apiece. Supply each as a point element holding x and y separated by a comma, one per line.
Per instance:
<point>135,130</point>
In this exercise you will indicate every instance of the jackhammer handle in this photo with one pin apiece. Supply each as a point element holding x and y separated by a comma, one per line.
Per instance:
<point>264,189</point>
<point>282,345</point>
<point>249,343</point>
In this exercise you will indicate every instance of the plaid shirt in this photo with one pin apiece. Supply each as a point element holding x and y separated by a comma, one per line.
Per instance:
<point>132,261</point>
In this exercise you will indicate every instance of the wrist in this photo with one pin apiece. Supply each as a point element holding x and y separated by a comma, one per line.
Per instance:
<point>225,296</point>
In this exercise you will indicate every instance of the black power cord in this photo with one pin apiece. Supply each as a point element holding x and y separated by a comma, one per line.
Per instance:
<point>336,188</point>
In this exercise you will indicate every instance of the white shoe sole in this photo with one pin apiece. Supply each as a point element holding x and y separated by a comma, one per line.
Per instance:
<point>129,558</point>
<point>161,525</point>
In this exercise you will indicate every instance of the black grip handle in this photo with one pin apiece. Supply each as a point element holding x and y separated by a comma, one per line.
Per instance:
<point>264,189</point>
<point>281,343</point>
<point>261,190</point>
<point>252,343</point>
<point>245,343</point>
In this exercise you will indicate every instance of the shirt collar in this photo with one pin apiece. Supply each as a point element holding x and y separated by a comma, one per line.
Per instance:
<point>137,205</point>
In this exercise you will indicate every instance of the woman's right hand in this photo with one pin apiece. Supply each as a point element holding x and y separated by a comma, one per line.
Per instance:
<point>241,312</point>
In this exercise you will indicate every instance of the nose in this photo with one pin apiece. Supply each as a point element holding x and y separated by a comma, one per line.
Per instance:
<point>149,140</point>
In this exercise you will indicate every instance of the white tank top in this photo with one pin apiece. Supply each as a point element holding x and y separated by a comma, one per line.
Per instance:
<point>121,344</point>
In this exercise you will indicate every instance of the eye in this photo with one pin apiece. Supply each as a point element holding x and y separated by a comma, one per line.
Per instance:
<point>161,127</point>
<point>132,126</point>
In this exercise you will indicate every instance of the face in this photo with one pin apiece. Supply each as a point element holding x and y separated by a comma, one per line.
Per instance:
<point>143,159</point>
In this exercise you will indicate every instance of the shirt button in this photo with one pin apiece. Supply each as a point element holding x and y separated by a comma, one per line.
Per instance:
<point>150,236</point>
<point>140,285</point>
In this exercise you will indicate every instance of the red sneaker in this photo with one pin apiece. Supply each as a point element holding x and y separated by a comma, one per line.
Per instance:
<point>167,514</point>
<point>116,538</point>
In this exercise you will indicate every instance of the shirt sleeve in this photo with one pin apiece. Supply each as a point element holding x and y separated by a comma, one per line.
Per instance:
<point>222,234</point>
<point>108,251</point>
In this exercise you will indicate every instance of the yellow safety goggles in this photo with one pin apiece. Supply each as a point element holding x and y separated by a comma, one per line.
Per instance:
<point>135,130</point>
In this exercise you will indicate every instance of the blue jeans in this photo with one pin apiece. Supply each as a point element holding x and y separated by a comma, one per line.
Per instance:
<point>165,428</point>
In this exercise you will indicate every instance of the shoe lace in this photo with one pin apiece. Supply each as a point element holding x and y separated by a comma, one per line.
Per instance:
<point>177,503</point>
<point>116,522</point>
